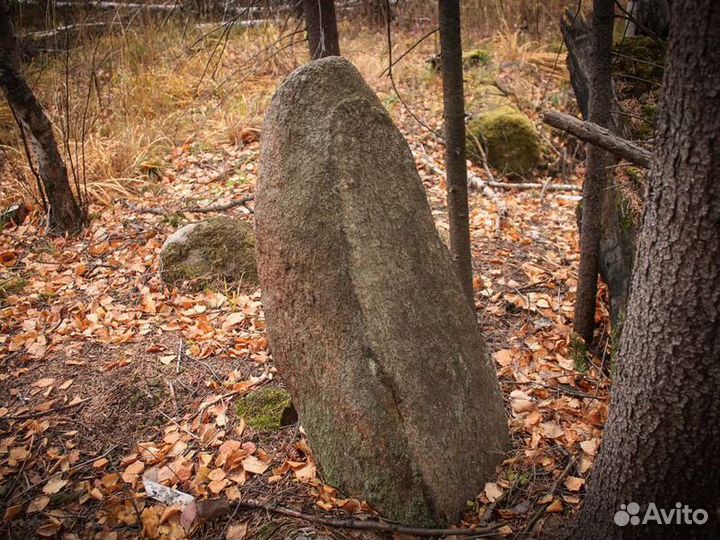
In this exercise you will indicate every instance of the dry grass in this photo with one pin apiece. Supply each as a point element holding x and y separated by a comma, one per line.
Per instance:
<point>121,102</point>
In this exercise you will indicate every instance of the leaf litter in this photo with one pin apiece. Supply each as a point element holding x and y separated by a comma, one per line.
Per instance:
<point>118,412</point>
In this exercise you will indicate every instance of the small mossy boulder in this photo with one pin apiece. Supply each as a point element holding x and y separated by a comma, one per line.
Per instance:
<point>471,59</point>
<point>213,253</point>
<point>477,57</point>
<point>508,137</point>
<point>267,409</point>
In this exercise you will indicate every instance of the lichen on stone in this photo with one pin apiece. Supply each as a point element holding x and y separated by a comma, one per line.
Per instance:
<point>267,409</point>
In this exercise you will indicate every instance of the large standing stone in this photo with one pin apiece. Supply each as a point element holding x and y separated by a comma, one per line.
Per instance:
<point>367,321</point>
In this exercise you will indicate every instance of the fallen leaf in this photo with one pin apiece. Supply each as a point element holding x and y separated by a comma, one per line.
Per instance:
<point>590,447</point>
<point>493,491</point>
<point>503,357</point>
<point>254,465</point>
<point>54,485</point>
<point>505,530</point>
<point>49,529</point>
<point>38,504</point>
<point>100,463</point>
<point>12,512</point>
<point>573,483</point>
<point>551,430</point>
<point>236,531</point>
<point>306,473</point>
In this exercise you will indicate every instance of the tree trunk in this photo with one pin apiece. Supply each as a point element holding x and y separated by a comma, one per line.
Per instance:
<point>321,28</point>
<point>662,440</point>
<point>455,164</point>
<point>377,11</point>
<point>596,174</point>
<point>64,213</point>
<point>648,18</point>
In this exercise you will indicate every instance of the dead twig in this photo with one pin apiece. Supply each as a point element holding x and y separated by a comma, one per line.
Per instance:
<point>158,211</point>
<point>362,525</point>
<point>536,517</point>
<point>599,136</point>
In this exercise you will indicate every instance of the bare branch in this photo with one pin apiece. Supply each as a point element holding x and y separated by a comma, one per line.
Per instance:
<point>594,134</point>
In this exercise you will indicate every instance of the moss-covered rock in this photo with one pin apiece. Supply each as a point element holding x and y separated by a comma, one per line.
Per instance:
<point>215,253</point>
<point>471,59</point>
<point>508,137</point>
<point>267,409</point>
<point>477,57</point>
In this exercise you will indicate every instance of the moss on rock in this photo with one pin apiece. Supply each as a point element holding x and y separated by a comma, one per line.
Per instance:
<point>477,57</point>
<point>509,138</point>
<point>211,253</point>
<point>267,409</point>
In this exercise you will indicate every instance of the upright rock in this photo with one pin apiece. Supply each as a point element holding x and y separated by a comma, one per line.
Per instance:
<point>367,321</point>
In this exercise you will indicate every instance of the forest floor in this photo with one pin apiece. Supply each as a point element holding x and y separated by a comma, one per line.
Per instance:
<point>106,376</point>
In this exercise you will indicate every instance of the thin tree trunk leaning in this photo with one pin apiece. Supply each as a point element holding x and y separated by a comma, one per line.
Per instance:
<point>321,28</point>
<point>662,439</point>
<point>455,163</point>
<point>596,175</point>
<point>599,136</point>
<point>64,213</point>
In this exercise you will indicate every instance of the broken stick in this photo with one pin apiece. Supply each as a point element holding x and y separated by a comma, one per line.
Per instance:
<point>213,508</point>
<point>599,136</point>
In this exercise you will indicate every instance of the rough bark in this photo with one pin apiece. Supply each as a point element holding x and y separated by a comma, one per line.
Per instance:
<point>648,17</point>
<point>322,31</point>
<point>618,226</point>
<point>662,439</point>
<point>368,323</point>
<point>64,213</point>
<point>596,172</point>
<point>599,136</point>
<point>577,37</point>
<point>455,164</point>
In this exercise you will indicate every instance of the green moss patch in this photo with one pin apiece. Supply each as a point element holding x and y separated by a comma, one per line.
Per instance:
<point>267,409</point>
<point>477,57</point>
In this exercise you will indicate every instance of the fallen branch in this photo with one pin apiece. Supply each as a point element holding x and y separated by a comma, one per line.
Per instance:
<point>534,185</point>
<point>536,517</point>
<point>219,506</point>
<point>599,136</point>
<point>218,207</point>
<point>158,211</point>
